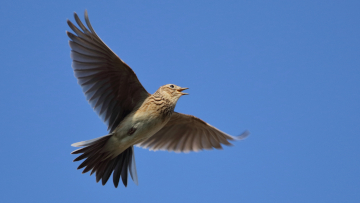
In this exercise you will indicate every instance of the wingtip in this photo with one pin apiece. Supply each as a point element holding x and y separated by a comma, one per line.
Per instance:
<point>86,14</point>
<point>69,34</point>
<point>69,23</point>
<point>243,135</point>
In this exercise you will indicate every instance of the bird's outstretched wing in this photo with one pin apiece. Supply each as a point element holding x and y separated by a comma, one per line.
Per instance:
<point>185,133</point>
<point>110,85</point>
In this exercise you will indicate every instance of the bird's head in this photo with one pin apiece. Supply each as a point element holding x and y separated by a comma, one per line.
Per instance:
<point>172,92</point>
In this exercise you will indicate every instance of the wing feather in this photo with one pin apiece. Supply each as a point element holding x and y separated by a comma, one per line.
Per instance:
<point>110,85</point>
<point>185,133</point>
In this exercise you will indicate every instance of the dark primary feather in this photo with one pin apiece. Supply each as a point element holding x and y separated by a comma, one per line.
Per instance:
<point>113,91</point>
<point>184,133</point>
<point>110,85</point>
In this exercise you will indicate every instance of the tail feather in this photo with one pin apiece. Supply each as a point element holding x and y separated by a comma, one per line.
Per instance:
<point>99,161</point>
<point>124,170</point>
<point>117,171</point>
<point>100,172</point>
<point>81,157</point>
<point>108,171</point>
<point>91,164</point>
<point>132,168</point>
<point>91,142</point>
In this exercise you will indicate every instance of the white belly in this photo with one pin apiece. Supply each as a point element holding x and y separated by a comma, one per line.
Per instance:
<point>145,127</point>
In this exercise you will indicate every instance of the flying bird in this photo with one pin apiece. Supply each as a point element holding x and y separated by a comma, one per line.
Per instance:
<point>133,116</point>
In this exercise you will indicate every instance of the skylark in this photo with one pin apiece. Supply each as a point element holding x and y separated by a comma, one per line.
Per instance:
<point>133,116</point>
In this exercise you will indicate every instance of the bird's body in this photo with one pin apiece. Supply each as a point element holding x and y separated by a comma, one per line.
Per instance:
<point>142,123</point>
<point>133,116</point>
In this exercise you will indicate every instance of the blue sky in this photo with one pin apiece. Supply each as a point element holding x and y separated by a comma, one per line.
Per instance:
<point>289,72</point>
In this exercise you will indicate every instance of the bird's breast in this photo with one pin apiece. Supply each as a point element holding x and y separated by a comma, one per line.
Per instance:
<point>139,126</point>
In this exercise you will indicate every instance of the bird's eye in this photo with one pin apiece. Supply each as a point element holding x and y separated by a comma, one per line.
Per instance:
<point>172,86</point>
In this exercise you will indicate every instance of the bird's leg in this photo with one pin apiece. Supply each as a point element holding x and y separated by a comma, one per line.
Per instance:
<point>131,131</point>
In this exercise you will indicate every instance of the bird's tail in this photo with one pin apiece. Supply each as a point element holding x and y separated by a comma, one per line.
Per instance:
<point>99,161</point>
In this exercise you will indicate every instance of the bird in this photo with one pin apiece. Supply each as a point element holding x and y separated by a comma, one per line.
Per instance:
<point>134,117</point>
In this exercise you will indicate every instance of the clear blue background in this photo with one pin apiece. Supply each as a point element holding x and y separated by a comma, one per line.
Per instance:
<point>288,72</point>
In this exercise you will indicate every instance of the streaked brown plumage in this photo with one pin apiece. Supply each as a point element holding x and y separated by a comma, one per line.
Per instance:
<point>133,116</point>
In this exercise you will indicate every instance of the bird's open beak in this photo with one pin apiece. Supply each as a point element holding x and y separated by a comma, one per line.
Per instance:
<point>182,89</point>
